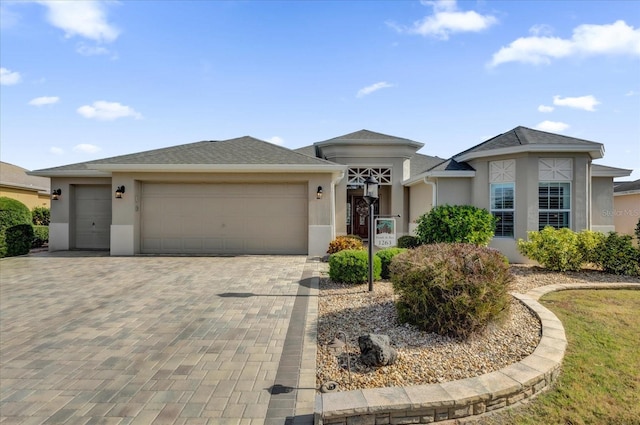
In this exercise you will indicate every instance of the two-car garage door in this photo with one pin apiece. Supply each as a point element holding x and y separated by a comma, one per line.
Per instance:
<point>224,218</point>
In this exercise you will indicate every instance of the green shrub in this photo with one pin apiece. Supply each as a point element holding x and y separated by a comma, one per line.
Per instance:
<point>386,255</point>
<point>555,249</point>
<point>40,236</point>
<point>342,243</point>
<point>19,239</point>
<point>352,266</point>
<point>456,223</point>
<point>13,212</point>
<point>41,216</point>
<point>451,289</point>
<point>408,241</point>
<point>589,244</point>
<point>357,237</point>
<point>618,255</point>
<point>637,232</point>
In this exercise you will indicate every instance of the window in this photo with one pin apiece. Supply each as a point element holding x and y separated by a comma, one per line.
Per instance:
<point>503,207</point>
<point>554,204</point>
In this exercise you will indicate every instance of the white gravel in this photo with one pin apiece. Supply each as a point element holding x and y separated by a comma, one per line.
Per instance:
<point>425,358</point>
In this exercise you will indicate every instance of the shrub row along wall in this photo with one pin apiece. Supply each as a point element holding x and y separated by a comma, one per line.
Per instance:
<point>466,397</point>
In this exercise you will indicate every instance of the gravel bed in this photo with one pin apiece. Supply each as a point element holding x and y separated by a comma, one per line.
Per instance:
<point>425,358</point>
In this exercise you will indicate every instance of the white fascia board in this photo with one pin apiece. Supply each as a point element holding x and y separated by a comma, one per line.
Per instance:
<point>611,172</point>
<point>70,173</point>
<point>627,192</point>
<point>370,142</point>
<point>221,168</point>
<point>594,153</point>
<point>452,174</point>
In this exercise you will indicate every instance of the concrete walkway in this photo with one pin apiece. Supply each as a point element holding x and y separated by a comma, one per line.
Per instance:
<point>90,339</point>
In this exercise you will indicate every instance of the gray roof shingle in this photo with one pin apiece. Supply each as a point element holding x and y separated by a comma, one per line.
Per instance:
<point>370,136</point>
<point>242,150</point>
<point>14,176</point>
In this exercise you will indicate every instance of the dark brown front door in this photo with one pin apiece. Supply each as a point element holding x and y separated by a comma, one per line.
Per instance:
<point>360,219</point>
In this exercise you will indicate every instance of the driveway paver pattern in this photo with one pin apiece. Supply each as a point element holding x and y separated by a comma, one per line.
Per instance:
<point>86,338</point>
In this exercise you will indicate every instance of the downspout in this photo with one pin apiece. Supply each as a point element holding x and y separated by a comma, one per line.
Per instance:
<point>333,202</point>
<point>434,194</point>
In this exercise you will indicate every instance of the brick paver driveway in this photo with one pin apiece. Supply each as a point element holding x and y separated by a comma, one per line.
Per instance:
<point>86,338</point>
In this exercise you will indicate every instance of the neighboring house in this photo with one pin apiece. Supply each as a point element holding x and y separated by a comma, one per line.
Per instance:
<point>15,183</point>
<point>626,206</point>
<point>246,196</point>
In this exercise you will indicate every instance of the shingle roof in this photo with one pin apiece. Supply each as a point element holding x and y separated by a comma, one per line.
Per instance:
<point>14,176</point>
<point>242,150</point>
<point>421,163</point>
<point>522,136</point>
<point>370,136</point>
<point>626,186</point>
<point>452,165</point>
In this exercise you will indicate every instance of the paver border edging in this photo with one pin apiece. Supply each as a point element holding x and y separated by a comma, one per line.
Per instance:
<point>466,397</point>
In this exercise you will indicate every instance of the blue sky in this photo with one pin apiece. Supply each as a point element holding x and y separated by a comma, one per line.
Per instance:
<point>83,80</point>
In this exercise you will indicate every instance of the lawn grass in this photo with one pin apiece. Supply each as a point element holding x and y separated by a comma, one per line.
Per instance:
<point>600,379</point>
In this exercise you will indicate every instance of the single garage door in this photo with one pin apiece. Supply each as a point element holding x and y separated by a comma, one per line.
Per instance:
<point>224,219</point>
<point>92,216</point>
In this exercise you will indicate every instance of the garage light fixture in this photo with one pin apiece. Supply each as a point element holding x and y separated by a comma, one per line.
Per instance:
<point>119,192</point>
<point>55,194</point>
<point>319,193</point>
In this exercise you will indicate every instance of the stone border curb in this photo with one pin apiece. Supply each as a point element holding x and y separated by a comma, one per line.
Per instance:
<point>466,397</point>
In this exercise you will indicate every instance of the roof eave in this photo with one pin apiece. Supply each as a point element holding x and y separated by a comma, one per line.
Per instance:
<point>371,142</point>
<point>69,173</point>
<point>435,174</point>
<point>595,153</point>
<point>611,172</point>
<point>221,168</point>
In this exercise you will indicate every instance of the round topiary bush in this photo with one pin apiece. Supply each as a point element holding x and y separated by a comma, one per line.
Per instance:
<point>352,266</point>
<point>408,241</point>
<point>19,239</point>
<point>456,223</point>
<point>451,289</point>
<point>386,255</point>
<point>13,212</point>
<point>554,249</point>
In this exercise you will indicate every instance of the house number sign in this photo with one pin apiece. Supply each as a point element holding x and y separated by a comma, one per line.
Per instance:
<point>385,232</point>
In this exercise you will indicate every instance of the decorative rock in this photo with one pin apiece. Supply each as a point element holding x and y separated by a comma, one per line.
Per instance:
<point>376,350</point>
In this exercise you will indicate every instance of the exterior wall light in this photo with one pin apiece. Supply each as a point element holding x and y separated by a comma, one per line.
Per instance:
<point>55,194</point>
<point>319,193</point>
<point>119,192</point>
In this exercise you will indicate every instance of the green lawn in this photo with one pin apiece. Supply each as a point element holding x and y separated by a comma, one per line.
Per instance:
<point>600,379</point>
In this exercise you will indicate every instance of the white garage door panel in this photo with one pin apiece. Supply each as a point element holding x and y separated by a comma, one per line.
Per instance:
<point>224,218</point>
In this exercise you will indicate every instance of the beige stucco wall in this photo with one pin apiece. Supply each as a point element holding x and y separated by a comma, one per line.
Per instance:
<point>125,229</point>
<point>454,191</point>
<point>421,201</point>
<point>30,198</point>
<point>602,204</point>
<point>626,212</point>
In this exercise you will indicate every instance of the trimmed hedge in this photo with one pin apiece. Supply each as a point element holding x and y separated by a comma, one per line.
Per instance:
<point>386,255</point>
<point>555,249</point>
<point>19,239</point>
<point>40,236</point>
<point>352,266</point>
<point>408,241</point>
<point>451,289</point>
<point>12,213</point>
<point>456,223</point>
<point>41,216</point>
<point>617,255</point>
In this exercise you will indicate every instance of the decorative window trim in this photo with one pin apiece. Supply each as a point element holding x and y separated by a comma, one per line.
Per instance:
<point>555,169</point>
<point>357,175</point>
<point>502,171</point>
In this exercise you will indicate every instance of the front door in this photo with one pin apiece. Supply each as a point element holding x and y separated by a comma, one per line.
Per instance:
<point>360,217</point>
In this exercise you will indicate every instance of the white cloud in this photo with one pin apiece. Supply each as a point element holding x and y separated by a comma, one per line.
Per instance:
<point>86,148</point>
<point>372,88</point>
<point>613,39</point>
<point>56,150</point>
<point>9,78</point>
<point>87,50</point>
<point>586,103</point>
<point>552,126</point>
<point>108,111</point>
<point>545,108</point>
<point>446,20</point>
<point>86,19</point>
<point>276,140</point>
<point>44,100</point>
<point>631,93</point>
